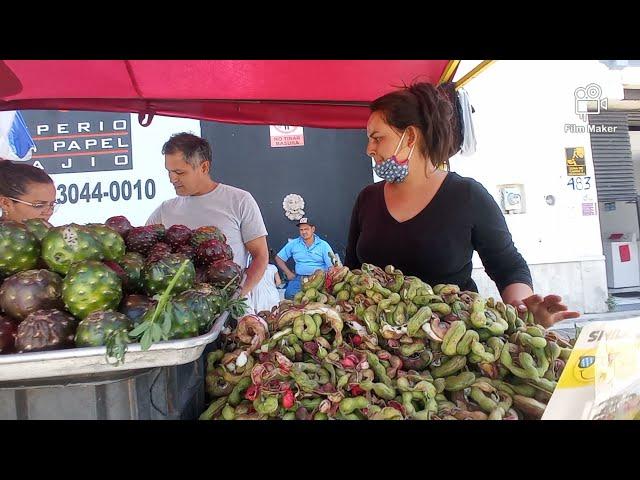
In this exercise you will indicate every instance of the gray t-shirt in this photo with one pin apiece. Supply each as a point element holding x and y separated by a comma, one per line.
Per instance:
<point>232,210</point>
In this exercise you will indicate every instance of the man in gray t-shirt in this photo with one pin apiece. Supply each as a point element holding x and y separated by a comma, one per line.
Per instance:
<point>202,201</point>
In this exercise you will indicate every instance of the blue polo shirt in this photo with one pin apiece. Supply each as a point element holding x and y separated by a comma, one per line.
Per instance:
<point>308,259</point>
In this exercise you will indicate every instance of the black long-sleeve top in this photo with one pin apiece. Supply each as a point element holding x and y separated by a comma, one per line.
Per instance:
<point>437,244</point>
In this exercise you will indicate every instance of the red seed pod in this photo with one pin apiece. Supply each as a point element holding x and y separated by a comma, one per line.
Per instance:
<point>288,399</point>
<point>252,392</point>
<point>356,390</point>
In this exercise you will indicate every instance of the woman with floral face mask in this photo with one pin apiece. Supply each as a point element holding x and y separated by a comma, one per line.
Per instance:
<point>428,221</point>
<point>26,192</point>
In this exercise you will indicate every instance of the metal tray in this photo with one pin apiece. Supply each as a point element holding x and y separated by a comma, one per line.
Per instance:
<point>78,361</point>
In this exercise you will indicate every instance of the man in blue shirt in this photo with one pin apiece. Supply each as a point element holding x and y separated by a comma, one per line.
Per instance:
<point>309,253</point>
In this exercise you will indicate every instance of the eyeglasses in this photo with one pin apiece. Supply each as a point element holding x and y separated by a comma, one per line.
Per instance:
<point>40,205</point>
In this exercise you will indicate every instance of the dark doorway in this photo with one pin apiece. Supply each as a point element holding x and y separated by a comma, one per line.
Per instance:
<point>328,172</point>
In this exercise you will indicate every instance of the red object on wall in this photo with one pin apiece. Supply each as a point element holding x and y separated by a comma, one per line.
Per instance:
<point>625,253</point>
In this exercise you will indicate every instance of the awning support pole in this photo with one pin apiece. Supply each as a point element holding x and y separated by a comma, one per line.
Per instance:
<point>449,71</point>
<point>473,73</point>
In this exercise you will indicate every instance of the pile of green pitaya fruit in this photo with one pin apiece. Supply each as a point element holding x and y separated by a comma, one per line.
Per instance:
<point>110,284</point>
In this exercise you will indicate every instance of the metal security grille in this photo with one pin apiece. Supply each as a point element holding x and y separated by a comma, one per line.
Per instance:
<point>634,119</point>
<point>612,158</point>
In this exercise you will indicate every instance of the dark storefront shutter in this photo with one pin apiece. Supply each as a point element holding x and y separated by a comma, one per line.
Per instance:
<point>612,158</point>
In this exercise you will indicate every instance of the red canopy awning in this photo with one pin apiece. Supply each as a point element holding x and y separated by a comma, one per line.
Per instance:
<point>313,93</point>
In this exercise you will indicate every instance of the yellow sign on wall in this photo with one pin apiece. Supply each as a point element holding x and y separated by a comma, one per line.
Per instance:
<point>576,166</point>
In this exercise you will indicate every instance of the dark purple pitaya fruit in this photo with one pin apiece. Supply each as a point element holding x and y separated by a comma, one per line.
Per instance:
<point>135,306</point>
<point>201,275</point>
<point>202,234</point>
<point>186,250</point>
<point>8,330</point>
<point>159,229</point>
<point>120,224</point>
<point>228,251</point>
<point>209,252</point>
<point>158,252</point>
<point>45,330</point>
<point>142,239</point>
<point>223,272</point>
<point>26,292</point>
<point>177,235</point>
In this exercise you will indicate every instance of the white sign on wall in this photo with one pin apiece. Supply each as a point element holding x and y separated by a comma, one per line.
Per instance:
<point>286,136</point>
<point>104,164</point>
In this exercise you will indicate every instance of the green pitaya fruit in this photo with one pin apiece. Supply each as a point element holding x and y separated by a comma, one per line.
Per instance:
<point>177,235</point>
<point>90,286</point>
<point>95,328</point>
<point>157,275</point>
<point>45,330</point>
<point>142,239</point>
<point>201,305</point>
<point>135,306</point>
<point>69,244</point>
<point>19,249</point>
<point>207,289</point>
<point>132,264</point>
<point>26,292</point>
<point>38,227</point>
<point>117,269</point>
<point>120,224</point>
<point>183,322</point>
<point>202,234</point>
<point>8,331</point>
<point>113,245</point>
<point>223,272</point>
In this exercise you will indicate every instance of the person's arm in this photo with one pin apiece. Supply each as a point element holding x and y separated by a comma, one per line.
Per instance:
<point>277,279</point>
<point>505,265</point>
<point>327,259</point>
<point>254,236</point>
<point>283,265</point>
<point>260,258</point>
<point>350,257</point>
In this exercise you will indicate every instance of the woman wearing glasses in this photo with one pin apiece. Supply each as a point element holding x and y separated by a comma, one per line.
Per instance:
<point>25,192</point>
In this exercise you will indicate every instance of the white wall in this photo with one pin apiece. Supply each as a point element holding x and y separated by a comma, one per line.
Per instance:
<point>521,108</point>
